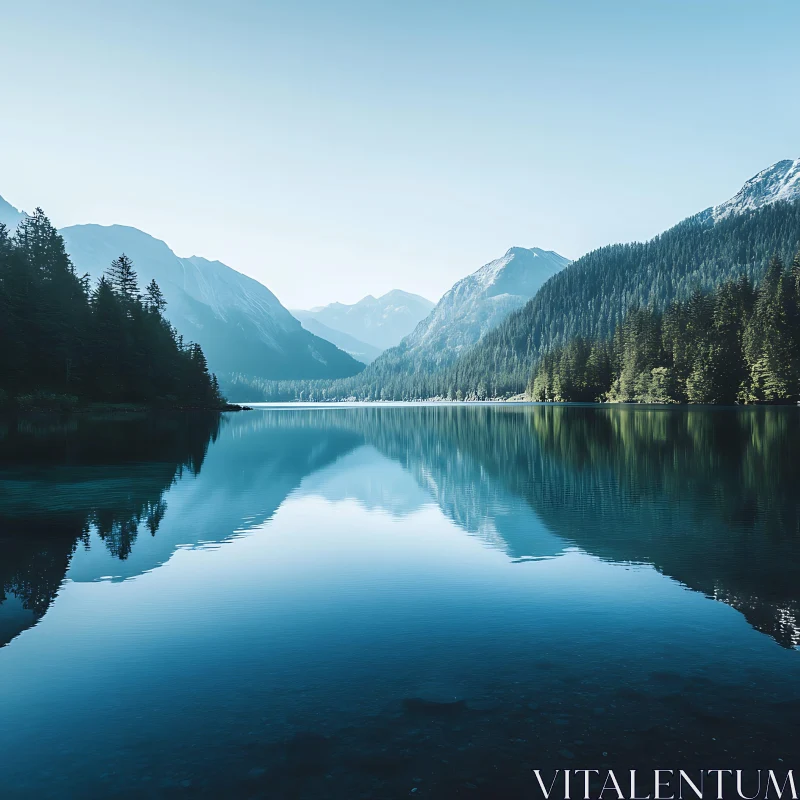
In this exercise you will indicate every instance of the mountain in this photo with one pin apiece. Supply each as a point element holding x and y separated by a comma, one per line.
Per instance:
<point>589,298</point>
<point>379,322</point>
<point>592,295</point>
<point>780,182</point>
<point>9,215</point>
<point>361,351</point>
<point>241,326</point>
<point>479,302</point>
<point>470,309</point>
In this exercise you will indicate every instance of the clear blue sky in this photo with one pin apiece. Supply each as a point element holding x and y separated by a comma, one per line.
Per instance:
<point>334,149</point>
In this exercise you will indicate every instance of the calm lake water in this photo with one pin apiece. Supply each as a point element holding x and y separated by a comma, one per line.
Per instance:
<point>385,602</point>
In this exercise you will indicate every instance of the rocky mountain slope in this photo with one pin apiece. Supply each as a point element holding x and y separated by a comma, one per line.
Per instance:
<point>780,182</point>
<point>593,293</point>
<point>241,325</point>
<point>9,215</point>
<point>479,302</point>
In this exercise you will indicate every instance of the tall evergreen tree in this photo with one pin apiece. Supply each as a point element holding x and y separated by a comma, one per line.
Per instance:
<point>154,297</point>
<point>122,277</point>
<point>57,337</point>
<point>737,344</point>
<point>769,339</point>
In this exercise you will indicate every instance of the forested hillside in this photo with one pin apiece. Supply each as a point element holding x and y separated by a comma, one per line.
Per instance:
<point>63,340</point>
<point>589,298</point>
<point>738,344</point>
<point>592,295</point>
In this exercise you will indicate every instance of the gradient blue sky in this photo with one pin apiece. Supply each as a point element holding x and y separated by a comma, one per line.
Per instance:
<point>334,149</point>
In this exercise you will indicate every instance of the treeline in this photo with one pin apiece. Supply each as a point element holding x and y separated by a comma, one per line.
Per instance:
<point>590,298</point>
<point>63,340</point>
<point>739,344</point>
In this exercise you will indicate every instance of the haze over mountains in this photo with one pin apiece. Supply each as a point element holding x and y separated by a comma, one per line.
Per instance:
<point>9,215</point>
<point>470,309</point>
<point>240,324</point>
<point>463,350</point>
<point>591,296</point>
<point>361,351</point>
<point>378,323</point>
<point>485,334</point>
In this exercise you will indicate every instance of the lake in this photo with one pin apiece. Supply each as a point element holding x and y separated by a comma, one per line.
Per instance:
<point>395,601</point>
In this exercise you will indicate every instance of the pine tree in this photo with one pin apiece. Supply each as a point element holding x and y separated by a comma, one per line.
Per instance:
<point>59,338</point>
<point>42,245</point>
<point>769,340</point>
<point>122,277</point>
<point>734,344</point>
<point>154,297</point>
<point>699,386</point>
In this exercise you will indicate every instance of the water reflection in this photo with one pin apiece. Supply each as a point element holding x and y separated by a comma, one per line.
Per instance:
<point>337,602</point>
<point>708,497</point>
<point>63,480</point>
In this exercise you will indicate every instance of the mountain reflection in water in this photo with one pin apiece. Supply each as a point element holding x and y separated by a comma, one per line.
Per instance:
<point>707,498</point>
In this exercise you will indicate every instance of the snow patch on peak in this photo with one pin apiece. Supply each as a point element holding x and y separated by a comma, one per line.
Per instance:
<point>780,182</point>
<point>489,273</point>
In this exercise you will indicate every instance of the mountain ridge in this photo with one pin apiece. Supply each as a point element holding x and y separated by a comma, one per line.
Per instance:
<point>380,322</point>
<point>777,183</point>
<point>239,322</point>
<point>9,215</point>
<point>359,350</point>
<point>508,282</point>
<point>591,296</point>
<point>472,307</point>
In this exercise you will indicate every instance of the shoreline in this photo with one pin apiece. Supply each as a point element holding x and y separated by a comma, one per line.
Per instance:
<point>117,408</point>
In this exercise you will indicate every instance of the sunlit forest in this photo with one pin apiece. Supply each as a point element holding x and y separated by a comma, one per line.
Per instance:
<point>588,301</point>
<point>739,344</point>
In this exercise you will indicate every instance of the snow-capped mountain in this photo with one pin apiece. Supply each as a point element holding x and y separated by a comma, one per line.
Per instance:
<point>380,322</point>
<point>779,182</point>
<point>479,302</point>
<point>240,324</point>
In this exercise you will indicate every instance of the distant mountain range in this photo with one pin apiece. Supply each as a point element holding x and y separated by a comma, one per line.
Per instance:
<point>377,323</point>
<point>477,344</point>
<point>486,333</point>
<point>240,324</point>
<point>467,312</point>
